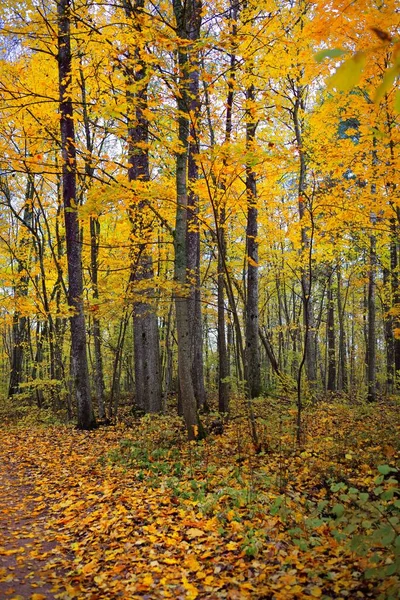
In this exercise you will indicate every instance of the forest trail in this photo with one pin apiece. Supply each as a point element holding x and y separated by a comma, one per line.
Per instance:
<point>138,513</point>
<point>24,546</point>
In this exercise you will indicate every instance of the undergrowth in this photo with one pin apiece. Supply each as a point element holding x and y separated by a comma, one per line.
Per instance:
<point>341,487</point>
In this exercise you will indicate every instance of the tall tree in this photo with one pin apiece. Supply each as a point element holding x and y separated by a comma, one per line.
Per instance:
<point>79,363</point>
<point>252,352</point>
<point>188,21</point>
<point>146,336</point>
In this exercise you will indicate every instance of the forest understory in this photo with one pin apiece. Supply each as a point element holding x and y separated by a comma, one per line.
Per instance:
<point>136,511</point>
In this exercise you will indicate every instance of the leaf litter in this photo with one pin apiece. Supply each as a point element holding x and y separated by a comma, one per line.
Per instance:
<point>135,511</point>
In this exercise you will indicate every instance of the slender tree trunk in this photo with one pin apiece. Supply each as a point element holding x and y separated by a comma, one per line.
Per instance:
<point>306,276</point>
<point>96,330</point>
<point>19,327</point>
<point>80,372</point>
<point>145,322</point>
<point>371,331</point>
<point>252,352</point>
<point>193,263</point>
<point>395,289</point>
<point>193,229</point>
<point>188,19</point>
<point>94,224</point>
<point>330,326</point>
<point>343,369</point>
<point>223,350</point>
<point>388,332</point>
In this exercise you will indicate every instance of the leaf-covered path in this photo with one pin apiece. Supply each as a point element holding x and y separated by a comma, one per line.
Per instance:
<point>138,513</point>
<point>24,549</point>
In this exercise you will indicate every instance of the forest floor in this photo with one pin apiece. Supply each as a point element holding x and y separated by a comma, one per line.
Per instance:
<point>134,511</point>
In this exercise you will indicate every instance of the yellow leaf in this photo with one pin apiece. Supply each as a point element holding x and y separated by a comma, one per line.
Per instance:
<point>192,591</point>
<point>192,563</point>
<point>316,592</point>
<point>193,532</point>
<point>147,580</point>
<point>252,262</point>
<point>231,546</point>
<point>38,597</point>
<point>89,567</point>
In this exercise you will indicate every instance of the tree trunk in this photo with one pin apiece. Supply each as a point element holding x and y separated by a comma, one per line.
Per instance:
<point>19,327</point>
<point>145,323</point>
<point>96,331</point>
<point>330,332</point>
<point>188,19</point>
<point>395,289</point>
<point>343,369</point>
<point>388,332</point>
<point>80,372</point>
<point>371,331</point>
<point>306,275</point>
<point>252,352</point>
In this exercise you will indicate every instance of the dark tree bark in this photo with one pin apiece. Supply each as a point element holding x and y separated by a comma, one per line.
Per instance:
<point>343,385</point>
<point>252,351</point>
<point>188,20</point>
<point>330,332</point>
<point>193,248</point>
<point>96,330</point>
<point>80,372</point>
<point>306,275</point>
<point>148,392</point>
<point>371,331</point>
<point>388,331</point>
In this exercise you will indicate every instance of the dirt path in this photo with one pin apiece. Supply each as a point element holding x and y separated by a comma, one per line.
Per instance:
<point>24,545</point>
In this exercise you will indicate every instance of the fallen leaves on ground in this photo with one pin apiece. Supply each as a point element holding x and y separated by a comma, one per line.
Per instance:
<point>138,512</point>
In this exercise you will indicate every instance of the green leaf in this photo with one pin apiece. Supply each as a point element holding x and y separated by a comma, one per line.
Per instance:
<point>384,535</point>
<point>364,497</point>
<point>302,544</point>
<point>348,74</point>
<point>371,573</point>
<point>335,487</point>
<point>387,82</point>
<point>322,505</point>
<point>385,469</point>
<point>358,545</point>
<point>338,510</point>
<point>331,53</point>
<point>390,570</point>
<point>387,495</point>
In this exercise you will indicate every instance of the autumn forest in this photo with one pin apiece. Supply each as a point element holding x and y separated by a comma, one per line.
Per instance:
<point>200,298</point>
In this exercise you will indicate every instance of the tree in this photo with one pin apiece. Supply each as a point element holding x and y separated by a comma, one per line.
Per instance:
<point>80,371</point>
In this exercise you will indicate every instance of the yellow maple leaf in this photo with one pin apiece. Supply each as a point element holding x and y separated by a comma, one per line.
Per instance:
<point>147,580</point>
<point>193,532</point>
<point>192,591</point>
<point>192,563</point>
